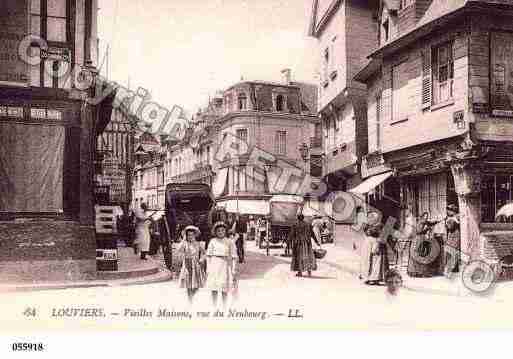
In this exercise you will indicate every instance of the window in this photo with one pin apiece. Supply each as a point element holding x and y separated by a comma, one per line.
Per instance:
<point>280,103</point>
<point>281,143</point>
<point>49,20</point>
<point>326,56</point>
<point>378,122</point>
<point>386,30</point>
<point>242,134</point>
<point>400,95</point>
<point>443,72</point>
<point>495,193</point>
<point>34,175</point>
<point>406,3</point>
<point>243,101</point>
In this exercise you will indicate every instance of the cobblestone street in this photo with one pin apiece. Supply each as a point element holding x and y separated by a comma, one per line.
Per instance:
<point>332,298</point>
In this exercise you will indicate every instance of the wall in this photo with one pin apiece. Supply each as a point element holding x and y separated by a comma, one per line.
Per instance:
<point>361,36</point>
<point>338,61</point>
<point>55,250</point>
<point>487,127</point>
<point>435,123</point>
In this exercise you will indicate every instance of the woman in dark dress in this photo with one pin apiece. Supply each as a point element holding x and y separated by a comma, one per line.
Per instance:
<point>421,262</point>
<point>453,241</point>
<point>300,237</point>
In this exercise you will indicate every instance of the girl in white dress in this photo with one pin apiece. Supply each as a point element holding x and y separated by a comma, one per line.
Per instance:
<point>222,268</point>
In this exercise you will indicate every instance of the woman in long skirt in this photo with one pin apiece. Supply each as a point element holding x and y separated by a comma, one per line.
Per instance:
<point>373,255</point>
<point>453,241</point>
<point>143,220</point>
<point>192,277</point>
<point>422,262</point>
<point>222,264</point>
<point>300,238</point>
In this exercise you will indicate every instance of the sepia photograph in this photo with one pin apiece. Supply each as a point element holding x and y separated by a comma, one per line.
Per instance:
<point>341,165</point>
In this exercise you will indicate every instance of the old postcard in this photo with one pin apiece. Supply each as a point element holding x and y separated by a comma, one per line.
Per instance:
<point>272,164</point>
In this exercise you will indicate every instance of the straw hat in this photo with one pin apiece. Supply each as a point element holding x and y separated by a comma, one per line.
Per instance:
<point>216,225</point>
<point>195,229</point>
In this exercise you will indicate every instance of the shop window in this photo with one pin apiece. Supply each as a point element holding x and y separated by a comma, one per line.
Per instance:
<point>32,169</point>
<point>443,72</point>
<point>495,193</point>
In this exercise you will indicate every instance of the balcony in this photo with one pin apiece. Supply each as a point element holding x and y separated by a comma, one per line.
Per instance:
<point>342,158</point>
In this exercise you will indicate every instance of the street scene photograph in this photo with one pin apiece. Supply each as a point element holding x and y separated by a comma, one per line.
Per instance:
<point>255,165</point>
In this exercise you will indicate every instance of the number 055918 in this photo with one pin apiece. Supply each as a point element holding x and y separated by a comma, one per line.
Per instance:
<point>27,347</point>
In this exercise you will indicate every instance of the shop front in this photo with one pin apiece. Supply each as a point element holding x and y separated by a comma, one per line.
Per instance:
<point>46,186</point>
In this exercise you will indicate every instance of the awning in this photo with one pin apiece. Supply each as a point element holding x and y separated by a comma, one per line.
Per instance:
<point>371,183</point>
<point>220,182</point>
<point>246,206</point>
<point>288,198</point>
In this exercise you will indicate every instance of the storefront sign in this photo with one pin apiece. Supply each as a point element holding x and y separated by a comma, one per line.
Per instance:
<point>374,164</point>
<point>502,113</point>
<point>13,28</point>
<point>56,53</point>
<point>8,111</point>
<point>502,74</point>
<point>45,114</point>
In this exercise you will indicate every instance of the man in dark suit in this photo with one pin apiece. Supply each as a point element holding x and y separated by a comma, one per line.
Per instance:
<point>241,227</point>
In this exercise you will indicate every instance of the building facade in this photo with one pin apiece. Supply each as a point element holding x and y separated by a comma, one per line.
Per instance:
<point>344,30</point>
<point>439,114</point>
<point>115,159</point>
<point>47,139</point>
<point>277,119</point>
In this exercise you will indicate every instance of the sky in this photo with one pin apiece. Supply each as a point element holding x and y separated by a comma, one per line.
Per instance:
<point>182,51</point>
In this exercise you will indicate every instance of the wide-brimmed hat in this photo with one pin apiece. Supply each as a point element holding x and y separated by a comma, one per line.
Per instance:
<point>452,208</point>
<point>195,229</point>
<point>217,225</point>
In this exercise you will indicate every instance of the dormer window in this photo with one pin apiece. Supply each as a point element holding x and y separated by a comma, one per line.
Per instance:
<point>243,101</point>
<point>280,103</point>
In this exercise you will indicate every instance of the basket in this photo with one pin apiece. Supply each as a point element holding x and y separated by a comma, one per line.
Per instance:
<point>319,253</point>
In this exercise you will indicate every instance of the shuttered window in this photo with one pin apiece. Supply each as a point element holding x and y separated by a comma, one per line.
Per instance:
<point>426,78</point>
<point>400,94</point>
<point>443,75</point>
<point>378,122</point>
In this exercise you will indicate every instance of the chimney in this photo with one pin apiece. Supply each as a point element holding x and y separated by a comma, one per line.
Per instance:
<point>286,76</point>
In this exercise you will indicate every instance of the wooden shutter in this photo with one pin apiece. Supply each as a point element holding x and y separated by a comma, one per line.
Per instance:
<point>426,78</point>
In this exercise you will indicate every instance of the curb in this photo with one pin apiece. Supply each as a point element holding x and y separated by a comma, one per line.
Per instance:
<point>158,277</point>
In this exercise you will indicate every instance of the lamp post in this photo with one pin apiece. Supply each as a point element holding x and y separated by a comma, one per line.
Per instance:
<point>267,168</point>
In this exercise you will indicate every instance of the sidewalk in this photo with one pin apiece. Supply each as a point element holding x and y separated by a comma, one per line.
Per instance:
<point>348,261</point>
<point>131,271</point>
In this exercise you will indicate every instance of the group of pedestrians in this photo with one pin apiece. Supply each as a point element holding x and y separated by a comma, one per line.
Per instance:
<point>374,251</point>
<point>215,268</point>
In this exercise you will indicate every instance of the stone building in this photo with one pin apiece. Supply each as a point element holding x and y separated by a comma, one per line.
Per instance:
<point>48,128</point>
<point>276,119</point>
<point>439,113</point>
<point>345,31</point>
<point>148,174</point>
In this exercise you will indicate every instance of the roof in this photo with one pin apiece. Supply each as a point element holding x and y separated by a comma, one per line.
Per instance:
<point>438,12</point>
<point>368,70</point>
